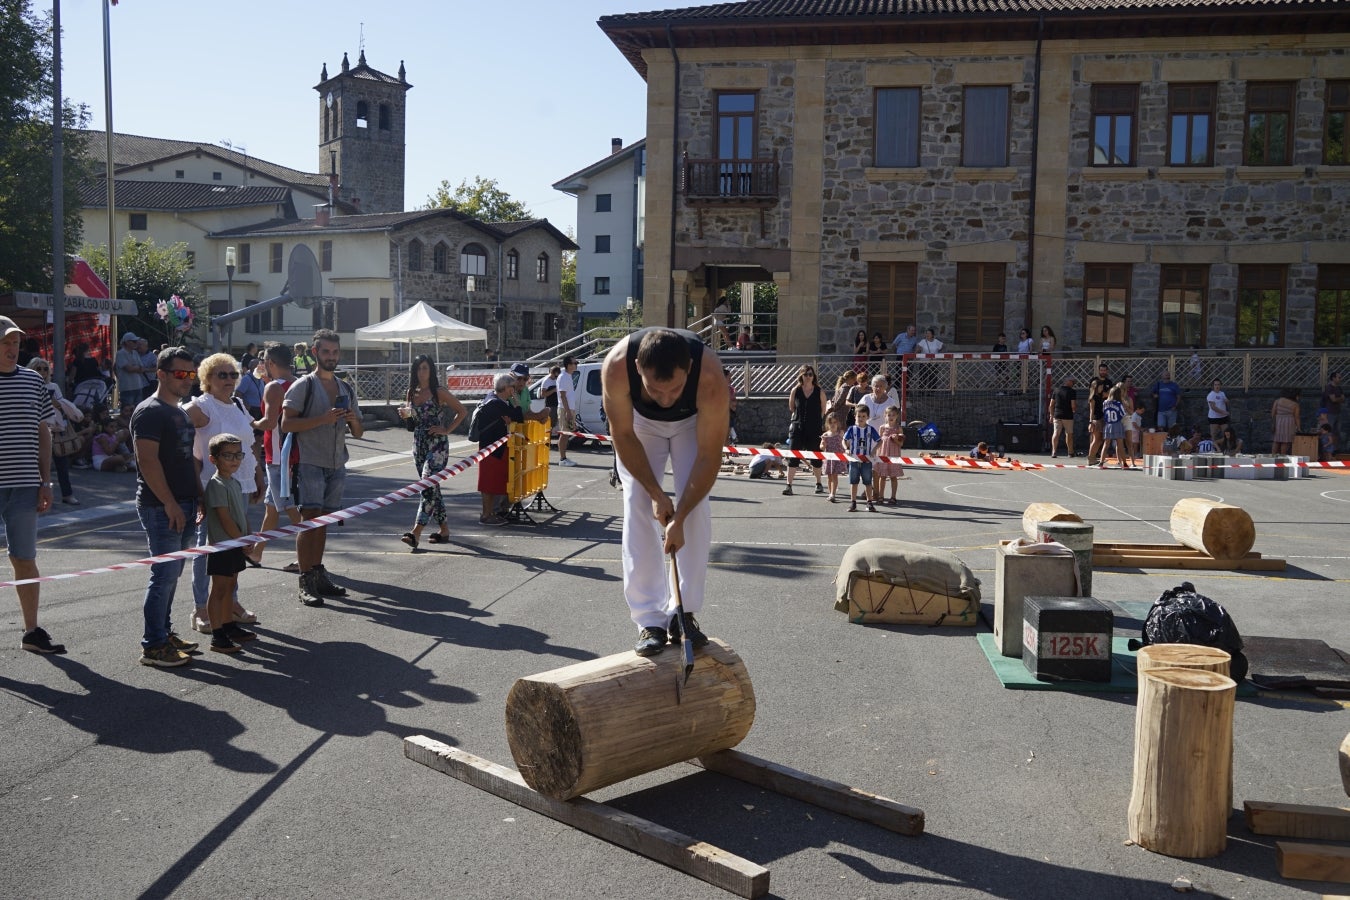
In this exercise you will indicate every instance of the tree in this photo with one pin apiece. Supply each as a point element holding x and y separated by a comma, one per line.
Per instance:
<point>26,152</point>
<point>483,200</point>
<point>148,274</point>
<point>569,271</point>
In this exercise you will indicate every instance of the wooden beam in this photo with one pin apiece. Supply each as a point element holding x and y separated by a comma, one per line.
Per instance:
<point>1327,823</point>
<point>830,795</point>
<point>703,861</point>
<point>1313,862</point>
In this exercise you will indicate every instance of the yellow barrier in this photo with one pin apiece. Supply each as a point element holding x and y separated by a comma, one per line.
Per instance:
<point>527,471</point>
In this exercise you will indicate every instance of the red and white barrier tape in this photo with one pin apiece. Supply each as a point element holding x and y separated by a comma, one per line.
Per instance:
<point>965,462</point>
<point>406,492</point>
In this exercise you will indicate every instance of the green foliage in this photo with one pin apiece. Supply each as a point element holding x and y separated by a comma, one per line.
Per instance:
<point>763,324</point>
<point>148,274</point>
<point>483,200</point>
<point>26,152</point>
<point>569,270</point>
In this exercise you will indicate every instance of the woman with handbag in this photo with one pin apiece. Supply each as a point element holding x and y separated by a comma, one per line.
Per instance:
<point>430,413</point>
<point>65,436</point>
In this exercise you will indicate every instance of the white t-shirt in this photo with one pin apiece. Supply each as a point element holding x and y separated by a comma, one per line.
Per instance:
<point>876,409</point>
<point>927,346</point>
<point>1218,404</point>
<point>567,391</point>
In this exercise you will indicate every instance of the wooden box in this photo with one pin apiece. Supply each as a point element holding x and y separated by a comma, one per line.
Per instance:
<point>874,599</point>
<point>1305,444</point>
<point>1152,443</point>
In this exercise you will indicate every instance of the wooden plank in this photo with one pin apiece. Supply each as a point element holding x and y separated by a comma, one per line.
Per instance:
<point>1121,560</point>
<point>831,795</point>
<point>1313,862</point>
<point>701,860</point>
<point>1327,823</point>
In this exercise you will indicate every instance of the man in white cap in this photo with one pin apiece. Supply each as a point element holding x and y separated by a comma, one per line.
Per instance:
<point>25,474</point>
<point>130,371</point>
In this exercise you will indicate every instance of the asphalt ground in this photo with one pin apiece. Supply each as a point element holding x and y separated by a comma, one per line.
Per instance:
<point>280,773</point>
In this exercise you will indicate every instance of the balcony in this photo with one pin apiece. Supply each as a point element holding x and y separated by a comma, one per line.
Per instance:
<point>730,182</point>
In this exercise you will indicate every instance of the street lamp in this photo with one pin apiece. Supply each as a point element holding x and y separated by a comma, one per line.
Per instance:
<point>628,312</point>
<point>229,293</point>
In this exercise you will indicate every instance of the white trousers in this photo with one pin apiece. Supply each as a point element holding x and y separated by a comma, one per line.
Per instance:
<point>646,578</point>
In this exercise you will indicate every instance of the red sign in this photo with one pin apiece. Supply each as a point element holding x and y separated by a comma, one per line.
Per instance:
<point>470,383</point>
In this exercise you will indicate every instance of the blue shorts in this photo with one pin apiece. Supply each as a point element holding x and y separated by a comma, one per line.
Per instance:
<point>18,509</point>
<point>320,488</point>
<point>860,472</point>
<point>274,489</point>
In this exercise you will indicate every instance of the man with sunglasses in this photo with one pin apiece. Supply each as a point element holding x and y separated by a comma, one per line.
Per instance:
<point>167,491</point>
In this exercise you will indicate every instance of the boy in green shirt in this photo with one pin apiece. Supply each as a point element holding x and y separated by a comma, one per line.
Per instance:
<point>226,518</point>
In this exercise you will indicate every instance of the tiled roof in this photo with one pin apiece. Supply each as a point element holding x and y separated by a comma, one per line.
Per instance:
<point>132,150</point>
<point>388,222</point>
<point>835,22</point>
<point>179,195</point>
<point>509,228</point>
<point>573,182</point>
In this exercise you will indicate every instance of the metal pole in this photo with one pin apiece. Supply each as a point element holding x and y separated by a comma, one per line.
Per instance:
<point>58,212</point>
<point>108,151</point>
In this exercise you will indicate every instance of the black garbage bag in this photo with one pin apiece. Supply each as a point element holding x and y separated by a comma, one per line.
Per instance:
<point>1182,616</point>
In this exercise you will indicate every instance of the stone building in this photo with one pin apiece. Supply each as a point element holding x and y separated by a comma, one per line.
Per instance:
<point>362,128</point>
<point>1156,174</point>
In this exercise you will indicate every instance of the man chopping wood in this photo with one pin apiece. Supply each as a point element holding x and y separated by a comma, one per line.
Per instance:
<point>668,404</point>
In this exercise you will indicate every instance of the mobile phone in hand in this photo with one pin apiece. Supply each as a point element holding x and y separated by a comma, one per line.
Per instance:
<point>341,402</point>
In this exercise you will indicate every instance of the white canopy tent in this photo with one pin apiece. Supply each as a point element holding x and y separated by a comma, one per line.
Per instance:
<point>419,323</point>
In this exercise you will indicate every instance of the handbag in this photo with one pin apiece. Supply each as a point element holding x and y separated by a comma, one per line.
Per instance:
<point>68,441</point>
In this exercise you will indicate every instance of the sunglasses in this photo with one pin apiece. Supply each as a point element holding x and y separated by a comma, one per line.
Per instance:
<point>230,457</point>
<point>227,376</point>
<point>180,374</point>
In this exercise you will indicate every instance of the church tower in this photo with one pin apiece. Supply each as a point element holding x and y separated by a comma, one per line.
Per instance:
<point>362,114</point>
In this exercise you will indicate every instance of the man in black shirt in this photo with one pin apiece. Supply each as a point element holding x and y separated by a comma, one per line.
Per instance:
<point>1063,405</point>
<point>667,401</point>
<point>167,489</point>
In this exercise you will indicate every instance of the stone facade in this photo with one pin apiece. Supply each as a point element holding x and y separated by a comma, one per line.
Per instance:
<point>362,131</point>
<point>836,211</point>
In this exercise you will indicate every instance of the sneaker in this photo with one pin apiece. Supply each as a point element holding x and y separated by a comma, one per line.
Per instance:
<point>293,568</point>
<point>695,633</point>
<point>820,488</point>
<point>871,507</point>
<point>178,643</point>
<point>201,624</point>
<point>853,507</point>
<point>787,491</point>
<point>651,641</point>
<point>39,641</point>
<point>239,635</point>
<point>309,592</point>
<point>566,462</point>
<point>221,643</point>
<point>164,656</point>
<point>72,500</point>
<point>325,584</point>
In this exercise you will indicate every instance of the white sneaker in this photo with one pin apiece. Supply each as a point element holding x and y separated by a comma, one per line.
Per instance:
<point>566,462</point>
<point>200,625</point>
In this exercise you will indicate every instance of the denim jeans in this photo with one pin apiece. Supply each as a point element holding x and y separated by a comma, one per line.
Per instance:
<point>163,576</point>
<point>1167,418</point>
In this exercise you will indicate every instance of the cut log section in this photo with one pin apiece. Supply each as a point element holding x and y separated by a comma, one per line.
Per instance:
<point>1326,823</point>
<point>1345,764</point>
<point>1036,513</point>
<point>1221,530</point>
<point>1183,656</point>
<point>1313,862</point>
<point>1183,758</point>
<point>701,860</point>
<point>583,727</point>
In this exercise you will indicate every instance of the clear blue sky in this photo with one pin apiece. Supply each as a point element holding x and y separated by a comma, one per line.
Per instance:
<point>523,91</point>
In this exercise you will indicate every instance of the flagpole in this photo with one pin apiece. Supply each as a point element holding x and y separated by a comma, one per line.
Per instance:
<point>58,211</point>
<point>108,151</point>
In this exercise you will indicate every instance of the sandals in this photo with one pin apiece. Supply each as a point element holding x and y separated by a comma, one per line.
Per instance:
<point>410,539</point>
<point>439,539</point>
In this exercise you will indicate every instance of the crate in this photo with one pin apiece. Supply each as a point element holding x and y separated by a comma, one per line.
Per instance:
<point>1067,638</point>
<point>876,599</point>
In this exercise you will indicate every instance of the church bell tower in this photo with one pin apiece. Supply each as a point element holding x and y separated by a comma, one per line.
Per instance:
<point>362,115</point>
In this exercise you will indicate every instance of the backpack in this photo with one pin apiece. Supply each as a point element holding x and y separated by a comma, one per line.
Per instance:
<point>1182,616</point>
<point>475,426</point>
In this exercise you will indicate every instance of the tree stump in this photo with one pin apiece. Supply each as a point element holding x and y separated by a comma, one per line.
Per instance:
<point>586,726</point>
<point>1036,513</point>
<point>1345,764</point>
<point>1222,530</point>
<point>1183,752</point>
<point>1183,656</point>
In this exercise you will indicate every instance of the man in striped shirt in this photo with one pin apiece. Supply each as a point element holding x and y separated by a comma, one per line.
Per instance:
<point>25,474</point>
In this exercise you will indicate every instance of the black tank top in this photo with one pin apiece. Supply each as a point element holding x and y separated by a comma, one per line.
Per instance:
<point>687,406</point>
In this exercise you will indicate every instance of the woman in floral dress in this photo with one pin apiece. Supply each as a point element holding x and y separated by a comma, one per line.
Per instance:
<point>435,413</point>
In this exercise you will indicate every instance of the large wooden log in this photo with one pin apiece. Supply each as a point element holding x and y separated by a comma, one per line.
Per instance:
<point>1183,656</point>
<point>1183,752</point>
<point>1222,530</point>
<point>582,727</point>
<point>1036,513</point>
